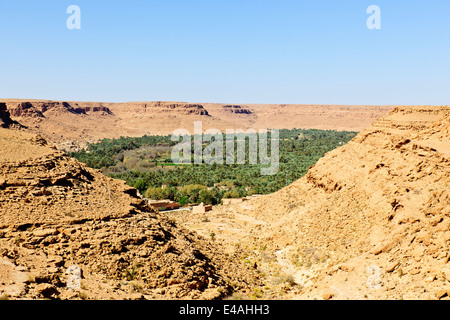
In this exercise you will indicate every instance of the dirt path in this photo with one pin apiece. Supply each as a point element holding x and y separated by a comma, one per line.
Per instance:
<point>235,232</point>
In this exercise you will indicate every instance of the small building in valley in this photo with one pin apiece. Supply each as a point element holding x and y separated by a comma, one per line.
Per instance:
<point>202,208</point>
<point>163,205</point>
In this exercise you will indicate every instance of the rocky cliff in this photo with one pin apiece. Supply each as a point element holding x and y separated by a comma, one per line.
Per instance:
<point>38,109</point>
<point>5,119</point>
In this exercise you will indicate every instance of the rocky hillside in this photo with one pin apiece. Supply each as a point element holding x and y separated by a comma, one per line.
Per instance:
<point>55,213</point>
<point>372,218</point>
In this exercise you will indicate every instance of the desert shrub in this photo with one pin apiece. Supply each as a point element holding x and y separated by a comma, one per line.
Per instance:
<point>141,185</point>
<point>232,194</point>
<point>155,193</point>
<point>192,192</point>
<point>183,200</point>
<point>284,278</point>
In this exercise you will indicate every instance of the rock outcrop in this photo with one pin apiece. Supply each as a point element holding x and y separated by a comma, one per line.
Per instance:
<point>57,215</point>
<point>236,109</point>
<point>5,119</point>
<point>160,108</point>
<point>26,110</point>
<point>89,109</point>
<point>180,108</point>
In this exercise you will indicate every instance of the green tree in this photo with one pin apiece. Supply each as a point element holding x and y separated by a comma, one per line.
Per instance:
<point>232,194</point>
<point>155,193</point>
<point>205,196</point>
<point>141,185</point>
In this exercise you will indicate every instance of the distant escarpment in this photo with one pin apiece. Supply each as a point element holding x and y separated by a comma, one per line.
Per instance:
<point>237,109</point>
<point>76,123</point>
<point>38,109</point>
<point>160,108</point>
<point>181,108</point>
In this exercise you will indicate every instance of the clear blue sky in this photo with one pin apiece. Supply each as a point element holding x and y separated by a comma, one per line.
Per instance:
<point>233,51</point>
